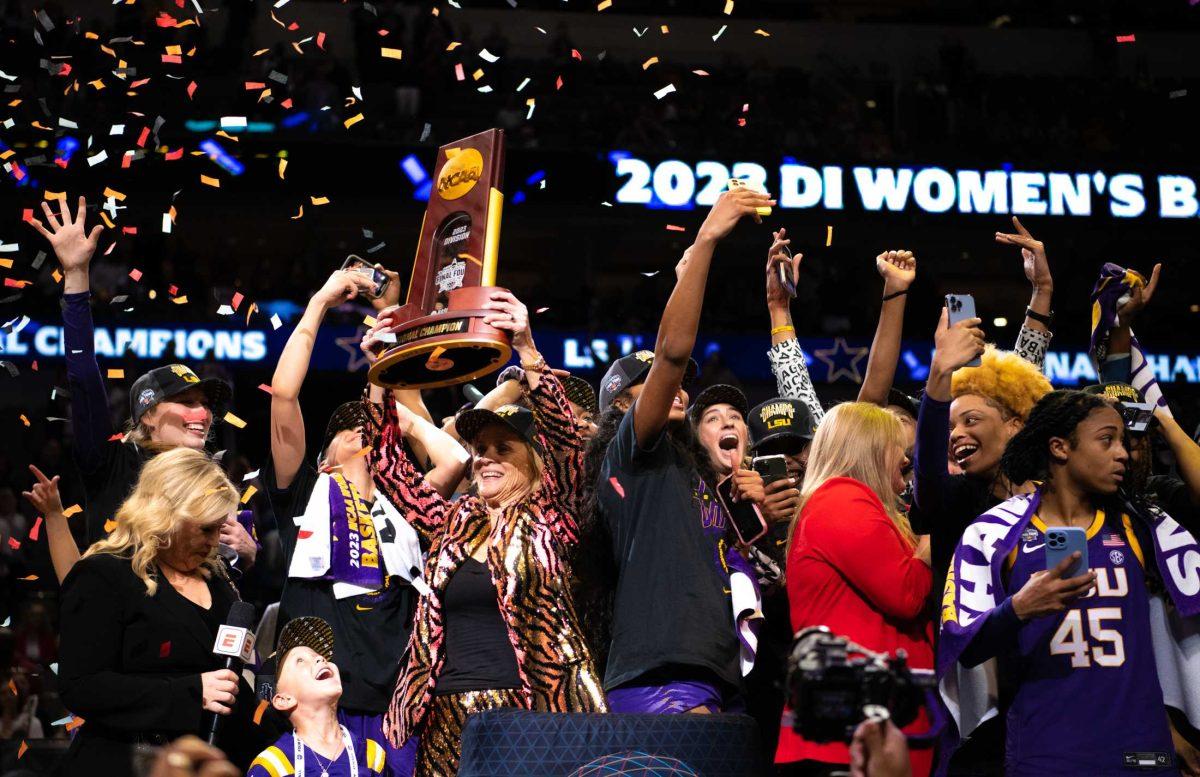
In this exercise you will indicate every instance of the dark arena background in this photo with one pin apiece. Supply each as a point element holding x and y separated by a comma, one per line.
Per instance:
<point>238,151</point>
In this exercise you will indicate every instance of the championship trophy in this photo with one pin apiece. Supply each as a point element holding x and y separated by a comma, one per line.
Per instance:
<point>437,337</point>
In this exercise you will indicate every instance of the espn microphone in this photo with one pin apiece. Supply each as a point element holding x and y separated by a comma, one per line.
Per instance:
<point>235,641</point>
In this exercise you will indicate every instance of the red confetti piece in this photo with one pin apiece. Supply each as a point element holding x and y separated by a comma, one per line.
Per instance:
<point>172,290</point>
<point>1126,39</point>
<point>266,388</point>
<point>237,299</point>
<point>13,283</point>
<point>27,214</point>
<point>458,72</point>
<point>674,228</point>
<point>576,55</point>
<point>35,365</point>
<point>64,69</point>
<point>165,20</point>
<point>172,59</point>
<point>115,437</point>
<point>616,484</point>
<point>164,649</point>
<point>191,90</point>
<point>126,158</point>
<point>139,82</point>
<point>141,141</point>
<point>21,750</point>
<point>287,103</point>
<point>303,534</point>
<point>741,121</point>
<point>14,543</point>
<point>136,274</point>
<point>558,82</point>
<point>293,26</point>
<point>321,41</point>
<point>255,85</point>
<point>171,156</point>
<point>36,530</point>
<point>129,230</point>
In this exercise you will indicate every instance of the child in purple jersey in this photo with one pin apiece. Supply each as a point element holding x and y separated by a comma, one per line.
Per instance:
<point>1077,651</point>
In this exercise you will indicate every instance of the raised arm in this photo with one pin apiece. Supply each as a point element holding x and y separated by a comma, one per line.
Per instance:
<point>1034,337</point>
<point>410,491</point>
<point>74,246</point>
<point>898,269</point>
<point>785,356</point>
<point>1118,362</point>
<point>681,316</point>
<point>287,422</point>
<point>44,496</point>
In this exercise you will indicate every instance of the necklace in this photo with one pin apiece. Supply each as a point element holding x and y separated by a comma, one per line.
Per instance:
<point>298,750</point>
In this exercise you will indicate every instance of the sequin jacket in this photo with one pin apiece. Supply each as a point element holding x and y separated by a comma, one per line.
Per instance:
<point>527,551</point>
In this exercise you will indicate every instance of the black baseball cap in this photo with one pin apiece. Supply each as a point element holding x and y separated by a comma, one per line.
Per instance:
<point>631,370</point>
<point>580,392</point>
<point>348,415</point>
<point>908,404</point>
<point>172,380</point>
<point>778,419</point>
<point>720,394</point>
<point>520,419</point>
<point>308,631</point>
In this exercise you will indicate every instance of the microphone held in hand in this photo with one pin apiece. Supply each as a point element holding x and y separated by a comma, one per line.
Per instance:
<point>235,641</point>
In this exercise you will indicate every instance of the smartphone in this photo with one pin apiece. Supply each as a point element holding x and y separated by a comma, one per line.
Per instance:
<point>379,281</point>
<point>1138,416</point>
<point>748,523</point>
<point>961,307</point>
<point>785,274</point>
<point>771,468</point>
<point>1061,542</point>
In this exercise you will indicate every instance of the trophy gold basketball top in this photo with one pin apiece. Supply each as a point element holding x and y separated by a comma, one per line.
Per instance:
<point>438,338</point>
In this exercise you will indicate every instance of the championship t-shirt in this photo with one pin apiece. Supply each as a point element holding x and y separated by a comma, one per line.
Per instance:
<point>370,631</point>
<point>671,609</point>
<point>1087,698</point>
<point>278,760</point>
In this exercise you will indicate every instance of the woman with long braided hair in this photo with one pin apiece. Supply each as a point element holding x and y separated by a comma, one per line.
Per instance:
<point>1067,638</point>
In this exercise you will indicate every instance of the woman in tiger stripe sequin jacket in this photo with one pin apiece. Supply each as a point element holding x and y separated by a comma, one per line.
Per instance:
<point>528,541</point>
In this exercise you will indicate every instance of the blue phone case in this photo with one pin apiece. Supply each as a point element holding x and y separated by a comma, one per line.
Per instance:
<point>961,307</point>
<point>1062,541</point>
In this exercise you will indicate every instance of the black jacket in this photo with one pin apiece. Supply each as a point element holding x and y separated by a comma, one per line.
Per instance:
<point>130,665</point>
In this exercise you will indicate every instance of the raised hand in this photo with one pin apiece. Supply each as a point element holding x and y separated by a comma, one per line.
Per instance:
<point>955,345</point>
<point>511,315</point>
<point>1033,254</point>
<point>1048,592</point>
<point>778,254</point>
<point>1139,298</point>
<point>342,286</point>
<point>781,501</point>
<point>44,493</point>
<point>898,268</point>
<point>730,207</point>
<point>72,243</point>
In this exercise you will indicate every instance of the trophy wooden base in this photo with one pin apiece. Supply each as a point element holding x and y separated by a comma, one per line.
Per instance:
<point>446,348</point>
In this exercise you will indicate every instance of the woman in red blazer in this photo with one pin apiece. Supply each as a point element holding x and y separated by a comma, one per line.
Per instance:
<point>854,564</point>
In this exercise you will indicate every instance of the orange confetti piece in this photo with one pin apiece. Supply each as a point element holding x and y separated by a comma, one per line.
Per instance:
<point>181,300</point>
<point>210,181</point>
<point>233,420</point>
<point>110,192</point>
<point>72,510</point>
<point>604,5</point>
<point>350,122</point>
<point>652,61</point>
<point>6,263</point>
<point>258,712</point>
<point>28,577</point>
<point>478,74</point>
<point>12,687</point>
<point>249,494</point>
<point>116,374</point>
<point>319,200</point>
<point>763,33</point>
<point>21,750</point>
<point>362,451</point>
<point>299,215</point>
<point>24,420</point>
<point>370,321</point>
<point>728,7</point>
<point>77,721</point>
<point>55,195</point>
<point>828,235</point>
<point>282,168</point>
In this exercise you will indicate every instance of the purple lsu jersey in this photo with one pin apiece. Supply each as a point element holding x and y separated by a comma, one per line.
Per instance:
<point>1087,698</point>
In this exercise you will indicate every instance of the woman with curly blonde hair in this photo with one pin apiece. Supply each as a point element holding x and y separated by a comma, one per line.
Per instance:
<point>140,614</point>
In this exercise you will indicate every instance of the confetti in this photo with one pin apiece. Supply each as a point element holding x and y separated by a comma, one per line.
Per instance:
<point>674,228</point>
<point>319,200</point>
<point>72,510</point>
<point>488,56</point>
<point>1177,93</point>
<point>37,527</point>
<point>763,33</point>
<point>258,712</point>
<point>720,32</point>
<point>1126,39</point>
<point>266,388</point>
<point>116,374</point>
<point>24,745</point>
<point>164,649</point>
<point>616,484</point>
<point>276,322</point>
<point>458,72</point>
<point>651,274</point>
<point>350,122</point>
<point>233,420</point>
<point>387,53</point>
<point>109,525</point>
<point>652,61</point>
<point>180,300</point>
<point>108,192</point>
<point>728,7</point>
<point>604,5</point>
<point>249,493</point>
<point>828,235</point>
<point>666,90</point>
<point>210,181</point>
<point>14,543</point>
<point>299,215</point>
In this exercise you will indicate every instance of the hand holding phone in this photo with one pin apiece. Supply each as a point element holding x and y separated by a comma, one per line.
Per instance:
<point>379,280</point>
<point>961,307</point>
<point>771,468</point>
<point>1061,542</point>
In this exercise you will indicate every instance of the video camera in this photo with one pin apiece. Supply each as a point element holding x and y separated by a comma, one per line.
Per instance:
<point>834,684</point>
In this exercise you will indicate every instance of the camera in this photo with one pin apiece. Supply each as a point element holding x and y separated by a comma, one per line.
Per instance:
<point>834,684</point>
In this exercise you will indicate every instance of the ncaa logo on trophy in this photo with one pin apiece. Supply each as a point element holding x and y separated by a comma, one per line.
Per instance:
<point>437,337</point>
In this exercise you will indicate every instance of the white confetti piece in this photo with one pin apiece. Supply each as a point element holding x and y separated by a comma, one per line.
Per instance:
<point>720,32</point>
<point>97,158</point>
<point>523,84</point>
<point>250,476</point>
<point>488,56</point>
<point>224,310</point>
<point>117,129</point>
<point>275,321</point>
<point>166,225</point>
<point>666,90</point>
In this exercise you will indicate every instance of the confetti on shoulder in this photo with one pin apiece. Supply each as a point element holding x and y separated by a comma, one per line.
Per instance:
<point>233,420</point>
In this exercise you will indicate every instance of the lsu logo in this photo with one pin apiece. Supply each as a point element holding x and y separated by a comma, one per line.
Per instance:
<point>185,373</point>
<point>777,414</point>
<point>504,411</point>
<point>461,172</point>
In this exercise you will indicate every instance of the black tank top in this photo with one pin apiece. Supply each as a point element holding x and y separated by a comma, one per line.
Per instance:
<point>478,653</point>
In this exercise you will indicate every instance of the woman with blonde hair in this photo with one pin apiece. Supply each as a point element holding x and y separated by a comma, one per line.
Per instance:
<point>854,564</point>
<point>140,615</point>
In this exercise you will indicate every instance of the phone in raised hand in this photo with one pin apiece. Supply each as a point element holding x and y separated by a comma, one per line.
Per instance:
<point>379,280</point>
<point>960,307</point>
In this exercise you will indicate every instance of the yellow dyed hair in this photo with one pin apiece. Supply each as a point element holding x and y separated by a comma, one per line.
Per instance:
<point>858,440</point>
<point>1004,379</point>
<point>177,486</point>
